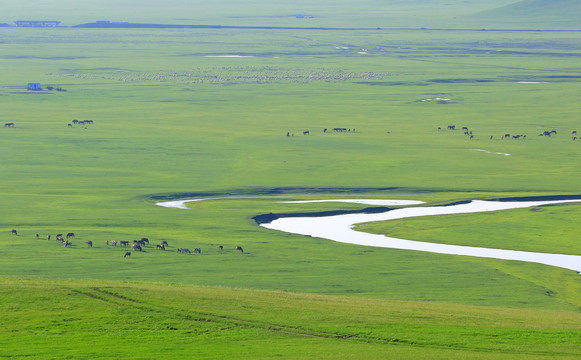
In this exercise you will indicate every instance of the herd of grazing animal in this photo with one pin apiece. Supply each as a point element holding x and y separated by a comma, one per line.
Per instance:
<point>81,123</point>
<point>74,122</point>
<point>136,245</point>
<point>325,130</point>
<point>508,136</point>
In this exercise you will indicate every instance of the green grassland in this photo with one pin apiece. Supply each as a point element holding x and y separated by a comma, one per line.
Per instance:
<point>172,121</point>
<point>156,321</point>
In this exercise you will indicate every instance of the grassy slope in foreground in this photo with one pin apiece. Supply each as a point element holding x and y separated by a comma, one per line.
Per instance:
<point>92,319</point>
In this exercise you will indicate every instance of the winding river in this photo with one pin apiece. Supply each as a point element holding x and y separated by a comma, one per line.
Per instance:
<point>340,228</point>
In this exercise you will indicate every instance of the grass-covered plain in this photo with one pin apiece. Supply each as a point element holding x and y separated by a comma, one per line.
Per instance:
<point>159,132</point>
<point>96,319</point>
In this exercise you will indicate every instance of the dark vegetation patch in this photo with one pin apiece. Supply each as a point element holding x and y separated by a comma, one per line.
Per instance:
<point>264,191</point>
<point>563,76</point>
<point>44,57</point>
<point>128,25</point>
<point>268,218</point>
<point>392,83</point>
<point>460,81</point>
<point>96,69</point>
<point>540,198</point>
<point>32,93</point>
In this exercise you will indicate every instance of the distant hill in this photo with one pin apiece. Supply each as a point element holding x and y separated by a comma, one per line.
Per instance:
<point>533,14</point>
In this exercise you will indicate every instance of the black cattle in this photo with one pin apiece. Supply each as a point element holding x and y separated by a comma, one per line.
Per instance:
<point>160,247</point>
<point>451,127</point>
<point>164,243</point>
<point>70,235</point>
<point>48,237</point>
<point>306,132</point>
<point>145,240</point>
<point>14,232</point>
<point>9,125</point>
<point>89,243</point>
<point>124,243</point>
<point>127,254</point>
<point>221,248</point>
<point>239,248</point>
<point>197,250</point>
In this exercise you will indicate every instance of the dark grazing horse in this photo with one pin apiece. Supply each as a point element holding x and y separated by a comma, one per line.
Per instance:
<point>239,248</point>
<point>136,247</point>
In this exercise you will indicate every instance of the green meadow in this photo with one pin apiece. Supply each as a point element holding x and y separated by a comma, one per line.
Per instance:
<point>221,114</point>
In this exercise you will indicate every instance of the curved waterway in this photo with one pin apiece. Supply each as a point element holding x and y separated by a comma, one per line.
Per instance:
<point>340,228</point>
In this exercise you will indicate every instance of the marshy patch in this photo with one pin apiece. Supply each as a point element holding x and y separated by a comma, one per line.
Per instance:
<point>460,81</point>
<point>392,83</point>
